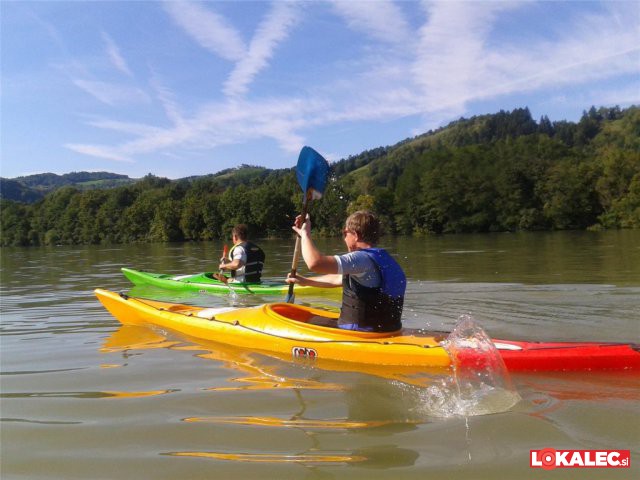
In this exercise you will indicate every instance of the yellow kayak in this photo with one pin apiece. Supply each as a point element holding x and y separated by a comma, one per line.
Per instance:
<point>287,330</point>
<point>281,328</point>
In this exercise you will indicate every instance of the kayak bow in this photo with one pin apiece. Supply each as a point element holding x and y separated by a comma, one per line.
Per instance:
<point>284,328</point>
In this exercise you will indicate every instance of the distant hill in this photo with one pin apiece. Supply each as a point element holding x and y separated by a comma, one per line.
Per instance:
<point>14,190</point>
<point>31,188</point>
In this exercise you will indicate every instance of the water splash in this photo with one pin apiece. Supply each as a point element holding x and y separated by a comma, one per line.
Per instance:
<point>233,298</point>
<point>480,384</point>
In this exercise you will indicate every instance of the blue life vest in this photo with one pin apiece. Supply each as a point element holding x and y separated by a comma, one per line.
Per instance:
<point>376,309</point>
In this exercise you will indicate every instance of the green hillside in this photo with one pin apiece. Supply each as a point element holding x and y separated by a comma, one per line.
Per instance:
<point>32,188</point>
<point>500,172</point>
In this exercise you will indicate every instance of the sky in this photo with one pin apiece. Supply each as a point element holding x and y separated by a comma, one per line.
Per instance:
<point>181,88</point>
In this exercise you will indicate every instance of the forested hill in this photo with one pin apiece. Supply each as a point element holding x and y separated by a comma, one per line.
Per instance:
<point>31,188</point>
<point>499,172</point>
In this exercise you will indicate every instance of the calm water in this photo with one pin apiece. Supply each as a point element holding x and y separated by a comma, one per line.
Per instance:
<point>84,398</point>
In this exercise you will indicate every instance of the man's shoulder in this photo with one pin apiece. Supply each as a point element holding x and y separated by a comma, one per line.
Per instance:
<point>357,257</point>
<point>239,249</point>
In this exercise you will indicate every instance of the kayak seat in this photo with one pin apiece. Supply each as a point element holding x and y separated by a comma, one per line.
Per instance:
<point>320,318</point>
<point>293,313</point>
<point>312,317</point>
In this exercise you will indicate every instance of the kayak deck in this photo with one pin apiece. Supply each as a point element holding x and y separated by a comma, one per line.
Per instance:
<point>285,328</point>
<point>266,328</point>
<point>207,283</point>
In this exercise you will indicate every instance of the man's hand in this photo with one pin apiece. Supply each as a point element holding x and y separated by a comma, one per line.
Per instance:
<point>295,279</point>
<point>302,226</point>
<point>220,278</point>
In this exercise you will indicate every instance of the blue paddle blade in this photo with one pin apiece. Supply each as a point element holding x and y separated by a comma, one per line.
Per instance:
<point>312,171</point>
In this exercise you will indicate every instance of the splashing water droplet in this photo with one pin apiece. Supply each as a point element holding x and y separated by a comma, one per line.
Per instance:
<point>233,297</point>
<point>480,384</point>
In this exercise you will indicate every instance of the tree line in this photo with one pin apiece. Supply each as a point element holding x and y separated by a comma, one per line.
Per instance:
<point>500,172</point>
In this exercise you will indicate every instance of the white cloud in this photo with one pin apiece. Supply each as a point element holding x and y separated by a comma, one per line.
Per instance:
<point>381,19</point>
<point>456,65</point>
<point>208,28</point>
<point>450,62</point>
<point>113,52</point>
<point>271,32</point>
<point>98,151</point>
<point>111,94</point>
<point>129,128</point>
<point>216,124</point>
<point>168,100</point>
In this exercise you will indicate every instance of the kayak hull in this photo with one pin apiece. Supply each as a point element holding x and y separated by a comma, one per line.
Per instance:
<point>204,282</point>
<point>284,329</point>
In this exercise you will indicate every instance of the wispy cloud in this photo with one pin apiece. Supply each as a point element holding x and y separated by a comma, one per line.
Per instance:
<point>214,125</point>
<point>168,101</point>
<point>112,94</point>
<point>382,20</point>
<point>113,52</point>
<point>272,31</point>
<point>448,63</point>
<point>97,151</point>
<point>455,65</point>
<point>211,30</point>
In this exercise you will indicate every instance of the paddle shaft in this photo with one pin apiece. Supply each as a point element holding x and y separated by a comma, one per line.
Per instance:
<point>225,252</point>
<point>298,247</point>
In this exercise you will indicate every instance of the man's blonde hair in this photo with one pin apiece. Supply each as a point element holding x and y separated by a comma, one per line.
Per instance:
<point>365,224</point>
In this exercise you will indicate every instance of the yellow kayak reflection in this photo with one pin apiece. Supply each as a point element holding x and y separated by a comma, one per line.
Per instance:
<point>260,373</point>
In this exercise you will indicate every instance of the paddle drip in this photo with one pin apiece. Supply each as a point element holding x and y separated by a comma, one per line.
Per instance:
<point>480,383</point>
<point>233,296</point>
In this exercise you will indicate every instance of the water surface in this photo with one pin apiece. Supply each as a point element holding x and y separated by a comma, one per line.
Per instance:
<point>84,397</point>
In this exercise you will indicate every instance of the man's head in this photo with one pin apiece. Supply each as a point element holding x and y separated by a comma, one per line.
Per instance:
<point>241,232</point>
<point>364,225</point>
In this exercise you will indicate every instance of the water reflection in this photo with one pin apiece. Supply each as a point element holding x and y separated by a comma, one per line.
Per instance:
<point>377,457</point>
<point>381,408</point>
<point>333,424</point>
<point>263,373</point>
<point>306,459</point>
<point>411,389</point>
<point>86,395</point>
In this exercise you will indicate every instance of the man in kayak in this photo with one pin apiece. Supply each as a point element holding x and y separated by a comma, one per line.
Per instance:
<point>245,261</point>
<point>372,281</point>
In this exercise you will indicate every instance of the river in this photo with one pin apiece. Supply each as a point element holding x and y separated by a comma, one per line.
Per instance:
<point>84,398</point>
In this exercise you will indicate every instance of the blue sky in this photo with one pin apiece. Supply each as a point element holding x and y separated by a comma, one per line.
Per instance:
<point>190,88</point>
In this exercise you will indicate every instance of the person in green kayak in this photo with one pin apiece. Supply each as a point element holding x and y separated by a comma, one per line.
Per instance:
<point>372,281</point>
<point>245,260</point>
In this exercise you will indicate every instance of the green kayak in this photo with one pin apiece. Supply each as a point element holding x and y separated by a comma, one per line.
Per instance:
<point>206,282</point>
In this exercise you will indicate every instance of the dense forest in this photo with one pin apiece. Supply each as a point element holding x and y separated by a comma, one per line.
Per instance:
<point>499,172</point>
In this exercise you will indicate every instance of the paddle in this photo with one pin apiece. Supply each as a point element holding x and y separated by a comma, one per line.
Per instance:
<point>220,276</point>
<point>311,172</point>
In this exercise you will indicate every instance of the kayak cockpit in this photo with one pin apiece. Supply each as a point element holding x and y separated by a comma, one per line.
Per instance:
<point>314,318</point>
